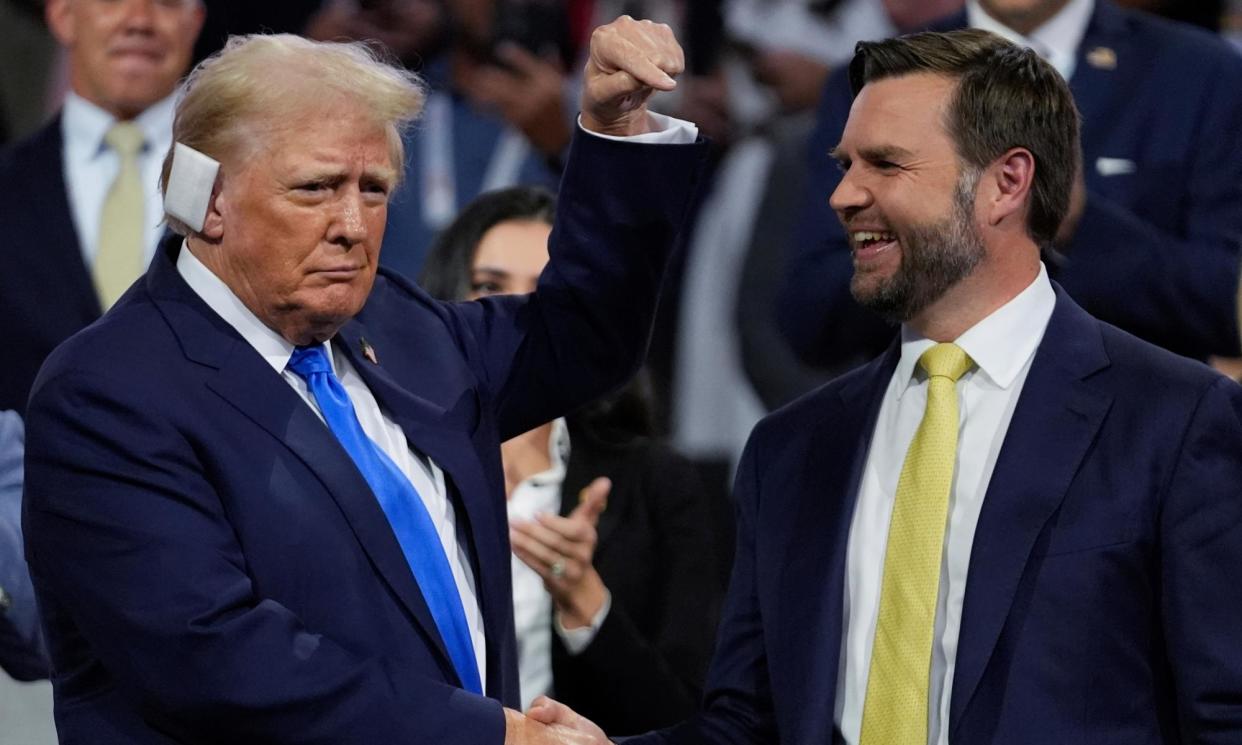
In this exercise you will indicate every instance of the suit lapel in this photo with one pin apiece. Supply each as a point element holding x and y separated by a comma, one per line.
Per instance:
<point>50,206</point>
<point>812,590</point>
<point>1054,423</point>
<point>1105,72</point>
<point>248,383</point>
<point>444,436</point>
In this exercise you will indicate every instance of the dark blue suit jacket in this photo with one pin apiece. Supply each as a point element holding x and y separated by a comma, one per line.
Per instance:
<point>46,293</point>
<point>1102,601</point>
<point>1157,250</point>
<point>210,565</point>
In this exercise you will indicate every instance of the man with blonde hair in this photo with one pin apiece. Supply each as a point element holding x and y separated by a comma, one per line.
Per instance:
<point>264,496</point>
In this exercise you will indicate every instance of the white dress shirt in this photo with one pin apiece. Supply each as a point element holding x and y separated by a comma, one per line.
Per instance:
<point>91,166</point>
<point>423,473</point>
<point>1056,40</point>
<point>1002,347</point>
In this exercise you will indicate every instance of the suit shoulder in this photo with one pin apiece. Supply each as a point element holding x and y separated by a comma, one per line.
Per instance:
<point>1153,367</point>
<point>40,149</point>
<point>124,345</point>
<point>1181,44</point>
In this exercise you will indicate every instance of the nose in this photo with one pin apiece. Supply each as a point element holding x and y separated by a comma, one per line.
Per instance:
<point>347,227</point>
<point>140,15</point>
<point>850,196</point>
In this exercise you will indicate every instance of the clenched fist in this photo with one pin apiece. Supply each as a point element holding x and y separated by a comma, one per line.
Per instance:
<point>629,61</point>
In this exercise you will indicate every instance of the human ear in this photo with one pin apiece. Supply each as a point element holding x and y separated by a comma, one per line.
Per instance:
<point>1011,177</point>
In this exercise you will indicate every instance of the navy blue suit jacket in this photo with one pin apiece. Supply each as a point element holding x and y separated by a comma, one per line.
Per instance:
<point>46,293</point>
<point>210,565</point>
<point>1101,603</point>
<point>1157,250</point>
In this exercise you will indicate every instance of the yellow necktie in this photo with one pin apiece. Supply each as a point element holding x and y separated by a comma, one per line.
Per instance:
<point>119,260</point>
<point>895,710</point>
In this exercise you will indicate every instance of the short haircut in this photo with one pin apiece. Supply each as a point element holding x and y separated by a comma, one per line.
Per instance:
<point>447,270</point>
<point>261,84</point>
<point>1005,97</point>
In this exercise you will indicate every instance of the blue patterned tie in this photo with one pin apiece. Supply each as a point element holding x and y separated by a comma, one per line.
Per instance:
<point>401,504</point>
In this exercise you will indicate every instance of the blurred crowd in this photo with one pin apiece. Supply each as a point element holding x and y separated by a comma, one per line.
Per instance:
<point>756,310</point>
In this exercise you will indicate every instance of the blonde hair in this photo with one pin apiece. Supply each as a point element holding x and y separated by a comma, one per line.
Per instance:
<point>261,84</point>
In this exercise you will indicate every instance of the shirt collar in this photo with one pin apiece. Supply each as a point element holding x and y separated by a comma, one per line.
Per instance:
<point>1000,345</point>
<point>83,125</point>
<point>1058,38</point>
<point>273,347</point>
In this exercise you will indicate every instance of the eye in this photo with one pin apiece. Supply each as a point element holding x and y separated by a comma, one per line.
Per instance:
<point>312,186</point>
<point>885,165</point>
<point>485,288</point>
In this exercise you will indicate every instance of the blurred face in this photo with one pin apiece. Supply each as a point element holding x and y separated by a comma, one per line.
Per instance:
<point>509,258</point>
<point>1023,16</point>
<point>125,55</point>
<point>300,222</point>
<point>904,201</point>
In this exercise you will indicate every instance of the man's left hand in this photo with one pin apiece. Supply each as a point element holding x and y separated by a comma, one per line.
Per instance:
<point>629,60</point>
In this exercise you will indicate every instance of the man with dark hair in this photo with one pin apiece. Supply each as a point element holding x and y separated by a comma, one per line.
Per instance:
<point>1151,241</point>
<point>1019,524</point>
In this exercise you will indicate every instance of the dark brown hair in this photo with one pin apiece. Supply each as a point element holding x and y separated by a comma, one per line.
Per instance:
<point>1006,97</point>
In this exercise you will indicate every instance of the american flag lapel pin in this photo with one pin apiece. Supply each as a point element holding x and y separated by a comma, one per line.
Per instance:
<point>368,351</point>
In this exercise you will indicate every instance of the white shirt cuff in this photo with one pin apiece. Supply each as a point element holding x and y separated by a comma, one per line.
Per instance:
<point>668,131</point>
<point>577,640</point>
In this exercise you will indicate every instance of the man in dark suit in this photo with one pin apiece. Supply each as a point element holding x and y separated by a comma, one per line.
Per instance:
<point>1151,243</point>
<point>124,61</point>
<point>1017,526</point>
<point>264,500</point>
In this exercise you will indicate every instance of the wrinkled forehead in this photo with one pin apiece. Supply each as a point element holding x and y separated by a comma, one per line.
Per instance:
<point>315,134</point>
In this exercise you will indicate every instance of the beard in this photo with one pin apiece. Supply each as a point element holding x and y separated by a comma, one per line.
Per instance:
<point>934,257</point>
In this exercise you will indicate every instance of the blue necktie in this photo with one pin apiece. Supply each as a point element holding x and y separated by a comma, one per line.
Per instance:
<point>402,505</point>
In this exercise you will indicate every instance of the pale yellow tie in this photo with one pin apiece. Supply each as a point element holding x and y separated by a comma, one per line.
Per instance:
<point>119,260</point>
<point>895,710</point>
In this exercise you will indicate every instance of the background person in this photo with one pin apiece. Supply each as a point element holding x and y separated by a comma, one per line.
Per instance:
<point>84,189</point>
<point>615,585</point>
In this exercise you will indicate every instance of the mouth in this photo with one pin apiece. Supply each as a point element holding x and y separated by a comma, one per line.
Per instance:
<point>137,56</point>
<point>339,274</point>
<point>872,245</point>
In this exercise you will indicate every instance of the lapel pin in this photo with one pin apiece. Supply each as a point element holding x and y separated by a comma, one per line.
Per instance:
<point>1103,58</point>
<point>368,351</point>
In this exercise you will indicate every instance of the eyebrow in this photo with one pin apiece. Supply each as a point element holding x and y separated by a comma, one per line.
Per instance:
<point>872,153</point>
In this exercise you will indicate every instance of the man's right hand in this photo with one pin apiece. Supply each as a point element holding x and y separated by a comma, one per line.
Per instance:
<point>526,730</point>
<point>564,719</point>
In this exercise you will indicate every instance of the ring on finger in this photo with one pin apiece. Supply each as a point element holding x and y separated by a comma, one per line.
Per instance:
<point>557,568</point>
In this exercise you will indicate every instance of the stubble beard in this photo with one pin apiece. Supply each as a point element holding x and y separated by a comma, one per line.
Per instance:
<point>934,257</point>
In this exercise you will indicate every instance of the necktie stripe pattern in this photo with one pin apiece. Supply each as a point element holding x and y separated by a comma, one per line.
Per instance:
<point>895,711</point>
<point>118,261</point>
<point>407,514</point>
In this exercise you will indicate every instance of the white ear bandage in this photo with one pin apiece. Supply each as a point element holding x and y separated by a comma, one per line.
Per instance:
<point>190,181</point>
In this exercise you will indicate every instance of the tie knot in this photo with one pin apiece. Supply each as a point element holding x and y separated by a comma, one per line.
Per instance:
<point>307,361</point>
<point>126,138</point>
<point>946,361</point>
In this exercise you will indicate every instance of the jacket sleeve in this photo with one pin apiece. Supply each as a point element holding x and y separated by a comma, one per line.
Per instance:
<point>1201,550</point>
<point>586,328</point>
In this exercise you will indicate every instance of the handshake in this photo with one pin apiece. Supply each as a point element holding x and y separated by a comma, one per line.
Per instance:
<point>550,722</point>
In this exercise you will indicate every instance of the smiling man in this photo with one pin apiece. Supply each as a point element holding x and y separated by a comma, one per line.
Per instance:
<point>1019,525</point>
<point>264,495</point>
<point>80,207</point>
